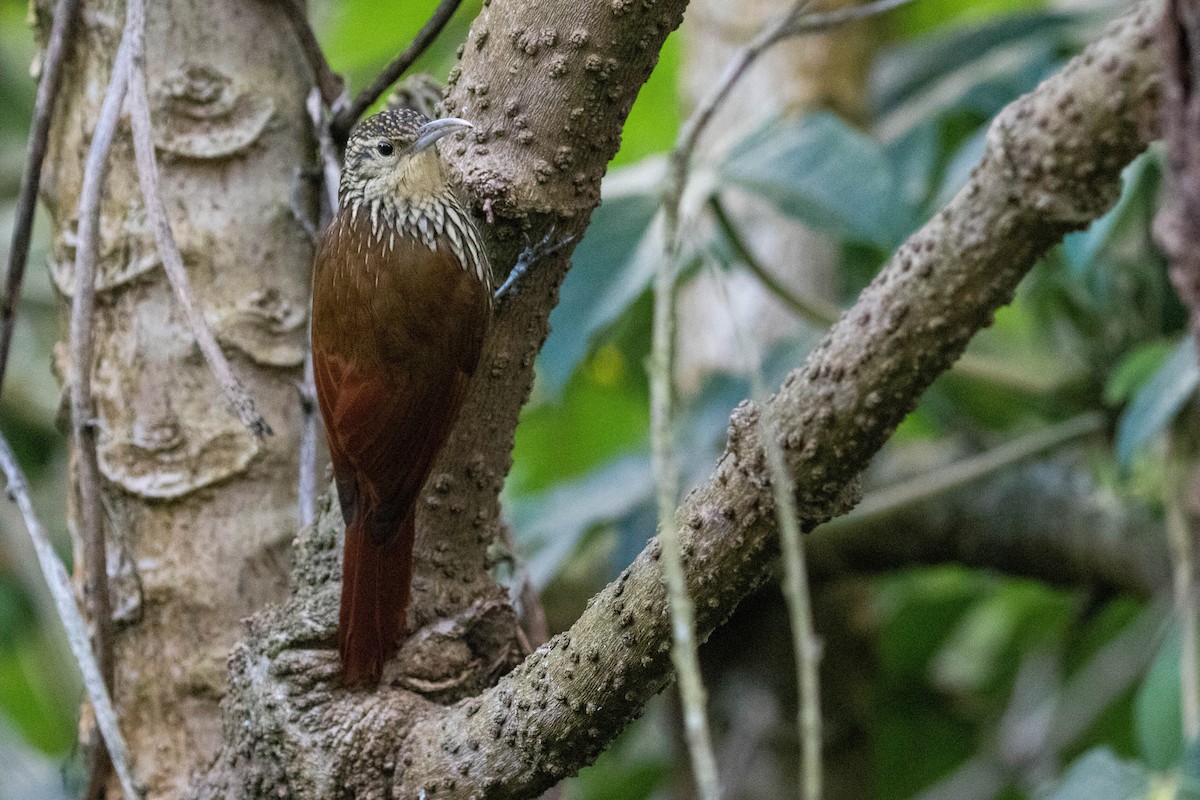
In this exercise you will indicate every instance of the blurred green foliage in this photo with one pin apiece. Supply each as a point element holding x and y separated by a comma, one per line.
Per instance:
<point>1095,326</point>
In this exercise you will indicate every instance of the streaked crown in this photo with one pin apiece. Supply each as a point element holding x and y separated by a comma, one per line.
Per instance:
<point>394,177</point>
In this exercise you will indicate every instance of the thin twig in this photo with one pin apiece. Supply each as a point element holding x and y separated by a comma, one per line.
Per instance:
<point>306,489</point>
<point>331,85</point>
<point>72,619</point>
<point>65,14</point>
<point>933,484</point>
<point>817,312</point>
<point>666,477</point>
<point>344,120</point>
<point>789,24</point>
<point>147,168</point>
<point>1183,567</point>
<point>327,205</point>
<point>695,124</point>
<point>83,431</point>
<point>805,644</point>
<point>819,23</point>
<point>331,163</point>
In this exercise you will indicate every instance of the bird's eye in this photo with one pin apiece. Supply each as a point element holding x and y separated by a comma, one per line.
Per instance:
<point>385,148</point>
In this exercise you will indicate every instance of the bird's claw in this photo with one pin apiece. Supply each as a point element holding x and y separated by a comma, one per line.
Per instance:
<point>529,256</point>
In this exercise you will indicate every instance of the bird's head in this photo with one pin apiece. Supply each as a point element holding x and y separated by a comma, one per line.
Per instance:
<point>391,155</point>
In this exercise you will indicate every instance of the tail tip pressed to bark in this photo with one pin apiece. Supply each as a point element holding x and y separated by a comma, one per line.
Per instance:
<point>375,586</point>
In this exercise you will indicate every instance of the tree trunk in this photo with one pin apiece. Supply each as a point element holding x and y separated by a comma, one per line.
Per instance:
<point>198,513</point>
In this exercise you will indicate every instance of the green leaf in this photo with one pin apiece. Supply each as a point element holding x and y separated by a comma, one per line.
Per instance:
<point>980,89</point>
<point>610,268</point>
<point>1158,401</point>
<point>915,158</point>
<point>1157,718</point>
<point>602,414</point>
<point>361,36</point>
<point>958,169</point>
<point>637,766</point>
<point>1138,180</point>
<point>903,72</point>
<point>1134,370</point>
<point>32,696</point>
<point>550,525</point>
<point>826,174</point>
<point>653,120</point>
<point>916,19</point>
<point>1100,775</point>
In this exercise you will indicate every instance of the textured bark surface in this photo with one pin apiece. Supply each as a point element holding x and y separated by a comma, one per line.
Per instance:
<point>1176,226</point>
<point>1052,164</point>
<point>198,513</point>
<point>548,86</point>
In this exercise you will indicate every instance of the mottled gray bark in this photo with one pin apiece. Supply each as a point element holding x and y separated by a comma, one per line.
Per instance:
<point>1053,163</point>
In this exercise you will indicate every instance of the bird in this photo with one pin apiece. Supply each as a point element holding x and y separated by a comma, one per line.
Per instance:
<point>401,303</point>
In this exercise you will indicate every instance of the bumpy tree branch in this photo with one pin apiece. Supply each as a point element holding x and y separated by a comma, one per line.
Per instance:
<point>1052,164</point>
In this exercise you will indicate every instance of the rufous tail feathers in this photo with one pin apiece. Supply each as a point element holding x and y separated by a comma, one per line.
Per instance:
<point>376,578</point>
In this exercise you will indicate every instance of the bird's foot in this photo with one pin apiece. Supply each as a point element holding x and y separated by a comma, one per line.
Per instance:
<point>529,256</point>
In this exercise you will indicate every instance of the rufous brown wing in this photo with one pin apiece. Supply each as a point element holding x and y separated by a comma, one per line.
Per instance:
<point>397,330</point>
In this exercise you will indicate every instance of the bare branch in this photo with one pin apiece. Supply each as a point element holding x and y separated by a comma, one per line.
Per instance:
<point>331,163</point>
<point>83,432</point>
<point>1099,540</point>
<point>928,485</point>
<point>143,146</point>
<point>65,14</point>
<point>330,84</point>
<point>327,204</point>
<point>306,490</point>
<point>816,312</point>
<point>344,120</point>
<point>805,645</point>
<point>819,23</point>
<point>59,583</point>
<point>666,480</point>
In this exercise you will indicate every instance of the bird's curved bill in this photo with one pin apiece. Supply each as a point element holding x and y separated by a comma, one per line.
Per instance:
<point>435,129</point>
